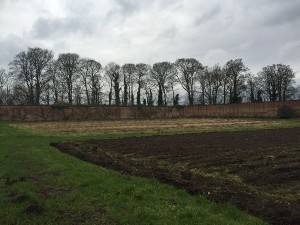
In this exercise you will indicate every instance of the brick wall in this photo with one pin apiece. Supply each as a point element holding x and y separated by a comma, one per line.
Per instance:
<point>48,113</point>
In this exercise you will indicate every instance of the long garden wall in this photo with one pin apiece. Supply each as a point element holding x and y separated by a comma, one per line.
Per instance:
<point>47,113</point>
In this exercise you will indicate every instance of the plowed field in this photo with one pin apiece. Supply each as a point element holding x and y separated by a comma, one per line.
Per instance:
<point>258,171</point>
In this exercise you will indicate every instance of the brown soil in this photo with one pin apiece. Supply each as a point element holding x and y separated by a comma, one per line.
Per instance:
<point>258,171</point>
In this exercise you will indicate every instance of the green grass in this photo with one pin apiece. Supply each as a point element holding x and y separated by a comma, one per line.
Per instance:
<point>40,185</point>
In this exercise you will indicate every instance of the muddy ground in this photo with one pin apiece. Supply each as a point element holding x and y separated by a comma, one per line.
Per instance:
<point>258,171</point>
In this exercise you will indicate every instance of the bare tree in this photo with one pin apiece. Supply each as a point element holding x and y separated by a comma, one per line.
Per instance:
<point>19,95</point>
<point>77,94</point>
<point>109,82</point>
<point>285,81</point>
<point>21,68</point>
<point>55,84</point>
<point>187,69</point>
<point>251,87</point>
<point>40,59</point>
<point>96,83</point>
<point>211,81</point>
<point>129,72</point>
<point>89,70</point>
<point>225,85</point>
<point>277,81</point>
<point>112,70</point>
<point>297,93</point>
<point>171,84</point>
<point>3,83</point>
<point>68,69</point>
<point>268,76</point>
<point>148,84</point>
<point>161,73</point>
<point>30,69</point>
<point>142,73</point>
<point>254,88</point>
<point>217,74</point>
<point>235,70</point>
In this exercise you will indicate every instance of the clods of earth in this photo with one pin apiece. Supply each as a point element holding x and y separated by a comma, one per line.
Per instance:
<point>258,171</point>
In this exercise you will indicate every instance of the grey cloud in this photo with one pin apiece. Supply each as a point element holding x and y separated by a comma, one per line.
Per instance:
<point>127,7</point>
<point>168,34</point>
<point>76,21</point>
<point>261,32</point>
<point>2,4</point>
<point>49,28</point>
<point>283,12</point>
<point>9,47</point>
<point>122,9</point>
<point>169,3</point>
<point>213,13</point>
<point>78,8</point>
<point>290,51</point>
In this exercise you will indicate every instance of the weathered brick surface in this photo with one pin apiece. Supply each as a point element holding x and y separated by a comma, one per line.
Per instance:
<point>47,113</point>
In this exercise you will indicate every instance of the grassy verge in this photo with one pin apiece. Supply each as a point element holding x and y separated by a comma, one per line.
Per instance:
<point>40,185</point>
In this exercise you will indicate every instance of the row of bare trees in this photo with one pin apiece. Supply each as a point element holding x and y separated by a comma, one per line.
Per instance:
<point>35,77</point>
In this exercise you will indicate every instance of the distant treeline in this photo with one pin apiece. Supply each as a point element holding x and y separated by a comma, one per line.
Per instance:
<point>35,77</point>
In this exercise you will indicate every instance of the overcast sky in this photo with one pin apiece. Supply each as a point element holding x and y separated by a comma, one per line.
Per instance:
<point>261,32</point>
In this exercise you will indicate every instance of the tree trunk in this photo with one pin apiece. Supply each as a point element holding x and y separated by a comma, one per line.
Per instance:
<point>125,93</point>
<point>138,95</point>
<point>160,96</point>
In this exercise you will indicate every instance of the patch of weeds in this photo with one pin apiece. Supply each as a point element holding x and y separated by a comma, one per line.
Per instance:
<point>10,181</point>
<point>18,198</point>
<point>34,208</point>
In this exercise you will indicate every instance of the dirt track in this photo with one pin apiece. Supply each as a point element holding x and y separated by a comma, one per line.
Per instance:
<point>258,171</point>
